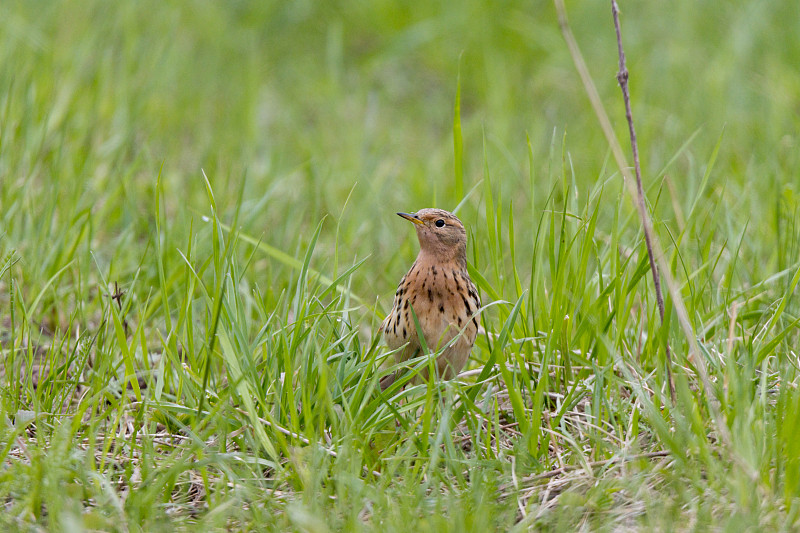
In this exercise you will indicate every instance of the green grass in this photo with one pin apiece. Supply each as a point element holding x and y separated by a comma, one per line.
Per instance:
<point>230,171</point>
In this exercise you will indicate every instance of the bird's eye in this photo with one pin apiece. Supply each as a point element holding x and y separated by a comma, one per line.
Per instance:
<point>439,223</point>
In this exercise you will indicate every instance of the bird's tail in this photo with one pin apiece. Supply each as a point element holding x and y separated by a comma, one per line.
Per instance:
<point>388,380</point>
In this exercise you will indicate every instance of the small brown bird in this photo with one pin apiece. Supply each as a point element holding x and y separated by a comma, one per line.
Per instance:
<point>439,290</point>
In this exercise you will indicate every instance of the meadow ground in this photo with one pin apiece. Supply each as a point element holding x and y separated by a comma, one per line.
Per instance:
<point>198,243</point>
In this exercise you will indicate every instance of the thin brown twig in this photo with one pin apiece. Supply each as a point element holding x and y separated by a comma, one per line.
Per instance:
<point>622,79</point>
<point>694,355</point>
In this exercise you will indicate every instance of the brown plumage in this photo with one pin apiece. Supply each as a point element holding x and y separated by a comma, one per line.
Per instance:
<point>442,295</point>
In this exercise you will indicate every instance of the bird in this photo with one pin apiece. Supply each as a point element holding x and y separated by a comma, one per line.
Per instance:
<point>441,294</point>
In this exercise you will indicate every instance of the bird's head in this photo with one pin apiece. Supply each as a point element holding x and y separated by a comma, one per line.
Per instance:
<point>441,234</point>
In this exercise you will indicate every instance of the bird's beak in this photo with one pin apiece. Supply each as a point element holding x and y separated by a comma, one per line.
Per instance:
<point>412,217</point>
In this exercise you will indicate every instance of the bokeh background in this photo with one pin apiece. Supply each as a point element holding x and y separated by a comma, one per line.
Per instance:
<point>312,103</point>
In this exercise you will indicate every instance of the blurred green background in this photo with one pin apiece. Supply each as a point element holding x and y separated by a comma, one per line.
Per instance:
<point>310,102</point>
